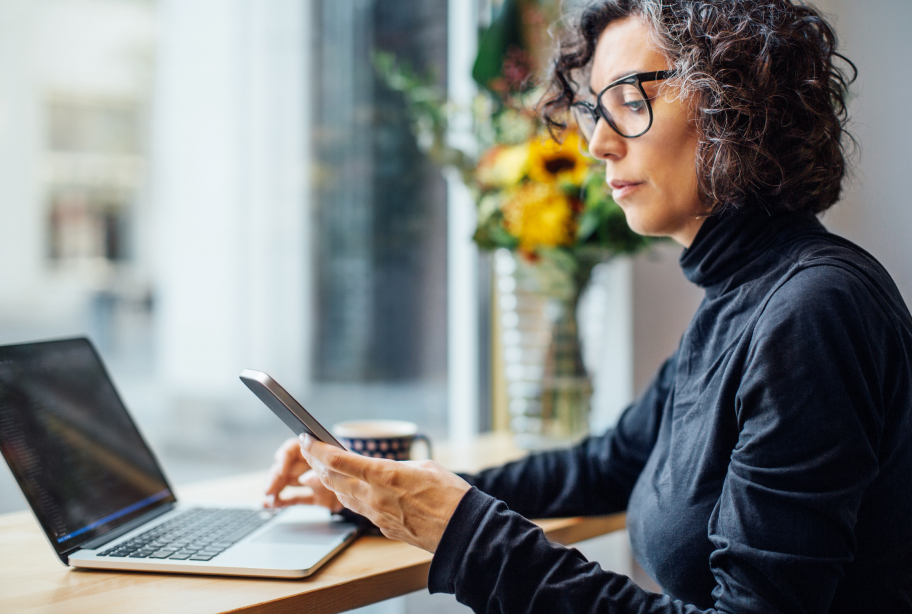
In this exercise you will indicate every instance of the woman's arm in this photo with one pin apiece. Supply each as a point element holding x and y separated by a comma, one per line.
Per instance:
<point>496,561</point>
<point>594,477</point>
<point>492,558</point>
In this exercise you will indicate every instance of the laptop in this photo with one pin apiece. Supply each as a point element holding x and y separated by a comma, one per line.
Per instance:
<point>102,498</point>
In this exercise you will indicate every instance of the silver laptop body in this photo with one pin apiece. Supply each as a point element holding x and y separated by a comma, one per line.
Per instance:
<point>97,491</point>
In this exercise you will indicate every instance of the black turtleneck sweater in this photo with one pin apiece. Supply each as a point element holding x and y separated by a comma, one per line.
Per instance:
<point>767,468</point>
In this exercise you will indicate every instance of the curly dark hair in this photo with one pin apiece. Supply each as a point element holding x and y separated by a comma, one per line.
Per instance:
<point>767,84</point>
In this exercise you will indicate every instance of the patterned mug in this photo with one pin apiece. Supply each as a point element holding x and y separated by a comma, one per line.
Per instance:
<point>390,439</point>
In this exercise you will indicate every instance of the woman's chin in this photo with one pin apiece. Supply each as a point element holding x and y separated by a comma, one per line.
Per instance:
<point>646,225</point>
<point>637,224</point>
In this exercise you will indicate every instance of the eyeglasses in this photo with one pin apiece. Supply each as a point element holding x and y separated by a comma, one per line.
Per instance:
<point>623,104</point>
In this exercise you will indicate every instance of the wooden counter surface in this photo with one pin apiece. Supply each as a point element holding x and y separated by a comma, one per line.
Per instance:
<point>372,569</point>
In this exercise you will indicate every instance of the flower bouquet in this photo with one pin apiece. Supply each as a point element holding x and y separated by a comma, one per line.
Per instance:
<point>542,204</point>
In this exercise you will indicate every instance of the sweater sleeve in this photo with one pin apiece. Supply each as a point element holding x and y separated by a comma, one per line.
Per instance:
<point>596,476</point>
<point>496,561</point>
<point>783,526</point>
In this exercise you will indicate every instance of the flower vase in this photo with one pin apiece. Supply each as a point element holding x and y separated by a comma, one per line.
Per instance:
<point>548,387</point>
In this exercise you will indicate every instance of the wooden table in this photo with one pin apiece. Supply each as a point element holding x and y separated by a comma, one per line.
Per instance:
<point>370,570</point>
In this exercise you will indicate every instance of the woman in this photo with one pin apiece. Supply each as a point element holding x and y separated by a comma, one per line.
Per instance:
<point>767,467</point>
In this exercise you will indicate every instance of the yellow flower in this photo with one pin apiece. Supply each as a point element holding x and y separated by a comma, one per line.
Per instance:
<point>539,215</point>
<point>503,166</point>
<point>553,162</point>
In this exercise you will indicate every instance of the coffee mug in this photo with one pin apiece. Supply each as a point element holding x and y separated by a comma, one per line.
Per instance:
<point>390,439</point>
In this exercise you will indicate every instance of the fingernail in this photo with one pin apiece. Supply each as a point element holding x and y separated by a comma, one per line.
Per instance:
<point>304,438</point>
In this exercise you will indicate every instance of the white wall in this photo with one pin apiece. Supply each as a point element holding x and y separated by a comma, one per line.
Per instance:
<point>876,211</point>
<point>663,303</point>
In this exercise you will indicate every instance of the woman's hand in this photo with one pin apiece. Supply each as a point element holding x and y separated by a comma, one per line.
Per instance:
<point>411,501</point>
<point>290,469</point>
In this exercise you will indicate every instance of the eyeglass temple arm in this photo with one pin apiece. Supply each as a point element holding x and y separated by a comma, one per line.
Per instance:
<point>655,76</point>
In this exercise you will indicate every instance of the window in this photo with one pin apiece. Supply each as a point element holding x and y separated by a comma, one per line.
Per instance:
<point>205,187</point>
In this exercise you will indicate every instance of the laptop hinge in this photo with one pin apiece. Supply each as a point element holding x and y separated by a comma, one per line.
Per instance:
<point>101,540</point>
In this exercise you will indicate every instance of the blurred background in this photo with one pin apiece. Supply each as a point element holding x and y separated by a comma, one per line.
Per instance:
<point>205,186</point>
<point>201,186</point>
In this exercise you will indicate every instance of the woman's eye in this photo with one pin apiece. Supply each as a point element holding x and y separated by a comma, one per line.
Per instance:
<point>636,106</point>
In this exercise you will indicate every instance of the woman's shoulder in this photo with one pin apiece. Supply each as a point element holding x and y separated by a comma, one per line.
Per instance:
<point>836,309</point>
<point>830,275</point>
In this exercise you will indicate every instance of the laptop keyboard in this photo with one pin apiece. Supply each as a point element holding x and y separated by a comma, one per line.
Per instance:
<point>197,534</point>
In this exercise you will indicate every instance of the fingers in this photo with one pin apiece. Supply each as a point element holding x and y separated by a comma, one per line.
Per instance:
<point>303,499</point>
<point>307,490</point>
<point>342,474</point>
<point>291,469</point>
<point>340,484</point>
<point>275,482</point>
<point>287,465</point>
<point>357,506</point>
<point>340,461</point>
<point>282,451</point>
<point>322,496</point>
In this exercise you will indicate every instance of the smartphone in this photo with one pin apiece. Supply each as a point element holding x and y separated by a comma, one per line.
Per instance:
<point>285,407</point>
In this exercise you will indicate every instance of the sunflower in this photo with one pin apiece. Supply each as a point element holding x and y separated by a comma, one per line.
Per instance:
<point>553,162</point>
<point>539,215</point>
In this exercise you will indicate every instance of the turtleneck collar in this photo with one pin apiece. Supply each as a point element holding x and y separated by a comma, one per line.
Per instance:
<point>728,242</point>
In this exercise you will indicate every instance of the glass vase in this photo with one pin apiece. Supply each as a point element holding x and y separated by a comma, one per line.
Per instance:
<point>548,387</point>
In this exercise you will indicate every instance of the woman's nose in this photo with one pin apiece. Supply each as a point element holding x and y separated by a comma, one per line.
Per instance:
<point>606,143</point>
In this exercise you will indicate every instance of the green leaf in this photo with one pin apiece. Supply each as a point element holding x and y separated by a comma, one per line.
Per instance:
<point>503,33</point>
<point>588,222</point>
<point>492,235</point>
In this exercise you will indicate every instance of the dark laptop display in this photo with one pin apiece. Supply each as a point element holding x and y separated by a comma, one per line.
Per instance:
<point>70,443</point>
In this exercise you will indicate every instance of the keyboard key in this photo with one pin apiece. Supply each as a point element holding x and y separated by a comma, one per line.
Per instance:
<point>202,557</point>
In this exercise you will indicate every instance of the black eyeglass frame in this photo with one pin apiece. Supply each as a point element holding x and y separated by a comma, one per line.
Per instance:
<point>638,80</point>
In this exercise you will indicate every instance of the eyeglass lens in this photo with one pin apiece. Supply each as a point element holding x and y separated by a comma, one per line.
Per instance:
<point>625,107</point>
<point>585,120</point>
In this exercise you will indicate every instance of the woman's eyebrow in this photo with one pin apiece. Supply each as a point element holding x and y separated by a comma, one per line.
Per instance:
<point>623,75</point>
<point>617,77</point>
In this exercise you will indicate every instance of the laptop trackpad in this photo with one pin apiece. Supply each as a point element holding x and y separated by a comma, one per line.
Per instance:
<point>299,538</point>
<point>315,534</point>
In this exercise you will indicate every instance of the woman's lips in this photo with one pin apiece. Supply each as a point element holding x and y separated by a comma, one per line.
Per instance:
<point>623,188</point>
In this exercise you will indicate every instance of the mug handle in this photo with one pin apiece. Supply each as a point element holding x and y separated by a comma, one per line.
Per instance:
<point>427,442</point>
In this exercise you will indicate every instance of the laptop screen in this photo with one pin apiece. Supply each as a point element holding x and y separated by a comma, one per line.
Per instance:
<point>71,444</point>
